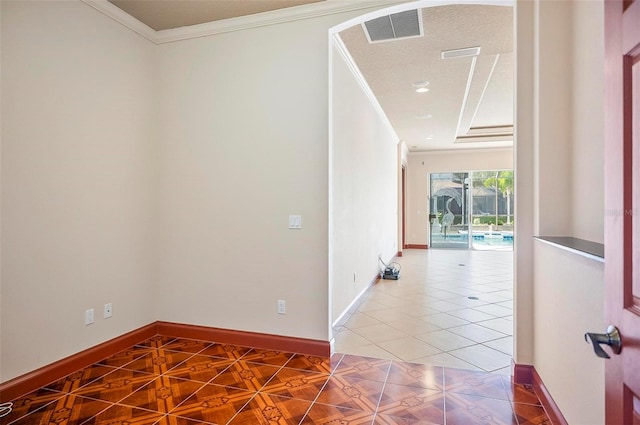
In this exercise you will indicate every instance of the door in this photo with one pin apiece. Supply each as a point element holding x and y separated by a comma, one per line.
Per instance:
<point>448,218</point>
<point>491,195</point>
<point>622,207</point>
<point>403,193</point>
<point>471,210</point>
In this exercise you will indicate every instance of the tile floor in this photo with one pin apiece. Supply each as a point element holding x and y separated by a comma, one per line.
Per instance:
<point>166,381</point>
<point>449,308</point>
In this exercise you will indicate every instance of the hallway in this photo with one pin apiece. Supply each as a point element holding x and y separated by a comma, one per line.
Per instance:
<point>449,308</point>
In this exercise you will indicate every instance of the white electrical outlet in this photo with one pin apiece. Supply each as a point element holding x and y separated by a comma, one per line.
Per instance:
<point>108,310</point>
<point>282,306</point>
<point>88,317</point>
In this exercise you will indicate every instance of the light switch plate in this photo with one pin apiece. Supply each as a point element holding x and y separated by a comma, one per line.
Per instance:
<point>88,317</point>
<point>295,222</point>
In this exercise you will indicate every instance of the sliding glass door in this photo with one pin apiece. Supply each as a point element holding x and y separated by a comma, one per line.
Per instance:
<point>449,224</point>
<point>471,210</point>
<point>492,212</point>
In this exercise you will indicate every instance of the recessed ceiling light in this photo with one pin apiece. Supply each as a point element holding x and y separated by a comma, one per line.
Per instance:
<point>423,116</point>
<point>430,137</point>
<point>420,86</point>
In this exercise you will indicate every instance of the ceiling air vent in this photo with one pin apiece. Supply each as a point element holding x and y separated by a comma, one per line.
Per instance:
<point>496,133</point>
<point>393,27</point>
<point>460,53</point>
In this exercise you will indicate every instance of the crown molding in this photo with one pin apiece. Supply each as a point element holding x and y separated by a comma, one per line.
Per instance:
<point>341,48</point>
<point>291,14</point>
<point>123,18</point>
<point>274,17</point>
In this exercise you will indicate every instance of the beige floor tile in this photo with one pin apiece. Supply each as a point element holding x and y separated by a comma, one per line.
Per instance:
<point>429,309</point>
<point>360,320</point>
<point>413,326</point>
<point>445,340</point>
<point>440,294</point>
<point>447,360</point>
<point>508,371</point>
<point>407,305</point>
<point>462,292</point>
<point>380,333</point>
<point>409,348</point>
<point>506,304</point>
<point>444,306</point>
<point>388,315</point>
<point>347,339</point>
<point>483,289</point>
<point>507,294</point>
<point>466,302</point>
<point>503,344</point>
<point>494,310</point>
<point>426,299</point>
<point>372,350</point>
<point>444,320</point>
<point>369,305</point>
<point>500,325</point>
<point>483,357</point>
<point>471,315</point>
<point>507,285</point>
<point>477,333</point>
<point>419,310</point>
<point>410,294</point>
<point>493,298</point>
<point>389,301</point>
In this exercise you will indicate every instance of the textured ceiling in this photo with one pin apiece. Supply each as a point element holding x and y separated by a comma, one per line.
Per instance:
<point>168,14</point>
<point>467,96</point>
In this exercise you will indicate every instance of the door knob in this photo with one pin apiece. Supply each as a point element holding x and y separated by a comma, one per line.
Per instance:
<point>611,338</point>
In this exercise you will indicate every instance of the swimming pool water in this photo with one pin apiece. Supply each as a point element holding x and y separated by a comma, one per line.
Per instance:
<point>483,240</point>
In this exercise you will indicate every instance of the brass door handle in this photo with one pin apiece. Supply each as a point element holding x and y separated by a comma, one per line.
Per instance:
<point>612,338</point>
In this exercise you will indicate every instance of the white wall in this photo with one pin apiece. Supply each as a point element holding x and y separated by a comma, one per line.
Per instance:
<point>559,294</point>
<point>552,158</point>
<point>588,121</point>
<point>364,168</point>
<point>243,141</point>
<point>243,144</point>
<point>77,179</point>
<point>421,164</point>
<point>570,97</point>
<point>524,135</point>
<point>568,299</point>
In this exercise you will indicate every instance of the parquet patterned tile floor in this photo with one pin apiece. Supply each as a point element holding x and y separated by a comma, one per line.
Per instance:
<point>168,381</point>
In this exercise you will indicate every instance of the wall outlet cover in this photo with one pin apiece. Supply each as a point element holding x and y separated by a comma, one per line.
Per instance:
<point>282,306</point>
<point>108,310</point>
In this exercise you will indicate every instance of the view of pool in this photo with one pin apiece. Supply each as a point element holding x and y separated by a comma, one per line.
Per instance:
<point>481,240</point>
